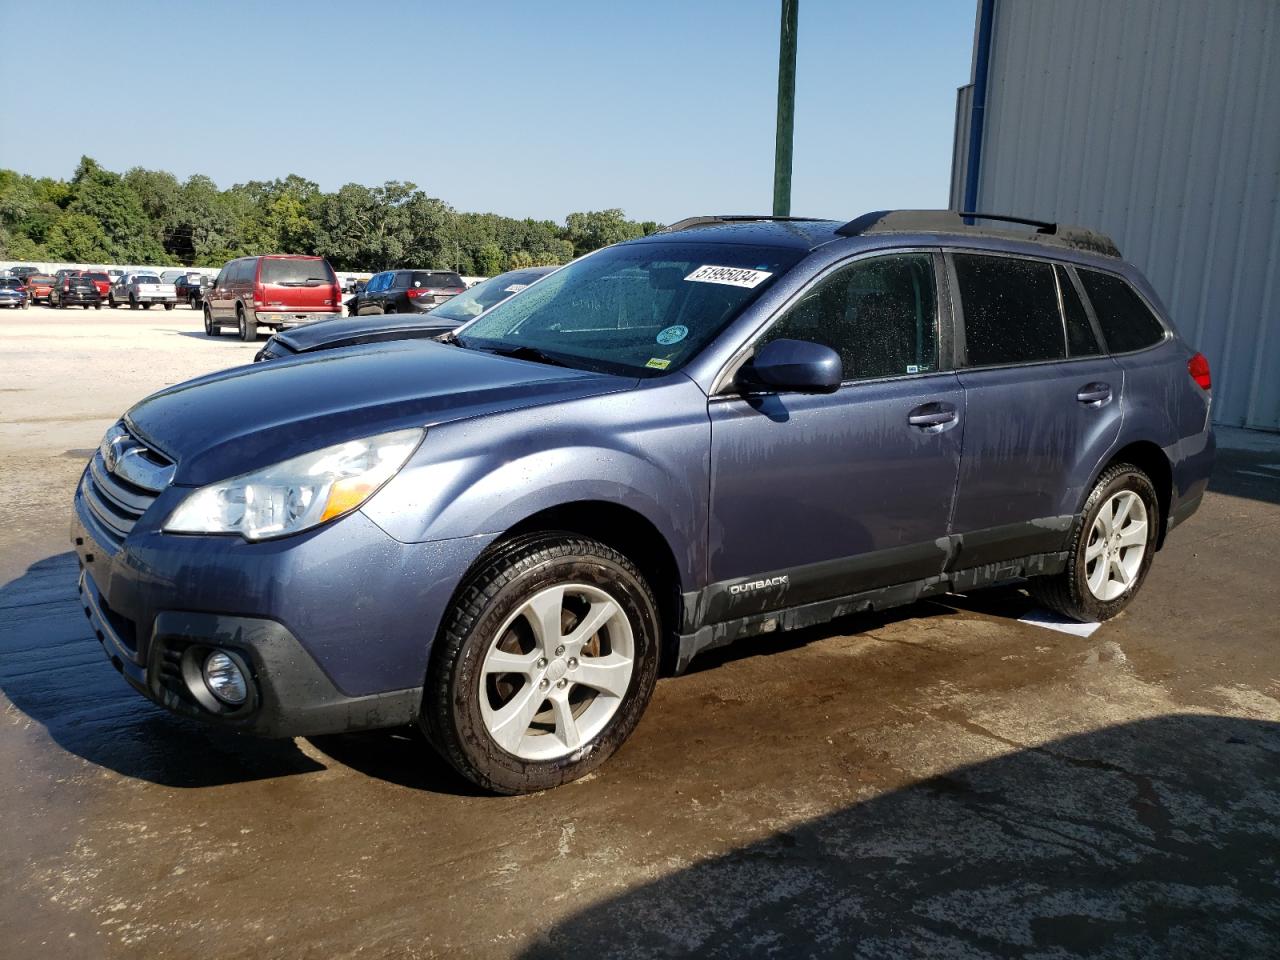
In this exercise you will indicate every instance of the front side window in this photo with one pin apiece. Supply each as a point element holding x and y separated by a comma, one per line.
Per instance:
<point>879,314</point>
<point>1010,310</point>
<point>639,309</point>
<point>1127,322</point>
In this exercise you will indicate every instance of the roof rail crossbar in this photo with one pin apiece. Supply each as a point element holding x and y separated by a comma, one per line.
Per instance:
<point>711,219</point>
<point>961,222</point>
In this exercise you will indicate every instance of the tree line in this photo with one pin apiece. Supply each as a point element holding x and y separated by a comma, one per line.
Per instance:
<point>150,216</point>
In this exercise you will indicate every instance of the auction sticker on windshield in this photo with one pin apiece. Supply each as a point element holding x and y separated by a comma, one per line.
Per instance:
<point>673,335</point>
<point>733,276</point>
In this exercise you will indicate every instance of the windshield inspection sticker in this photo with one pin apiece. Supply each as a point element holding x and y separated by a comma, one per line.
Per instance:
<point>657,363</point>
<point>733,276</point>
<point>673,335</point>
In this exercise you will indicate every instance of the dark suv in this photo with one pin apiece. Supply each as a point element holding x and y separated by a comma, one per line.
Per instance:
<point>736,427</point>
<point>405,291</point>
<point>74,289</point>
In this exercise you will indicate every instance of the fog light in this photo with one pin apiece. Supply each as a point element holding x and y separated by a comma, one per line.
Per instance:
<point>225,679</point>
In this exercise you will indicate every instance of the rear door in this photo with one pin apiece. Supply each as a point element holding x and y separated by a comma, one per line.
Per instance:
<point>1043,402</point>
<point>219,296</point>
<point>815,496</point>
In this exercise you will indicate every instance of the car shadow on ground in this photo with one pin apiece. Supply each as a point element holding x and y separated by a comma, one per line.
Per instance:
<point>1156,838</point>
<point>54,671</point>
<point>1251,474</point>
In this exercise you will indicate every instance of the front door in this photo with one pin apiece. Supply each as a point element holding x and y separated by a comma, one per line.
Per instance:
<point>815,496</point>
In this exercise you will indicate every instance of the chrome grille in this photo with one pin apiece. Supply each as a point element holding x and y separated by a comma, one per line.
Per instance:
<point>123,480</point>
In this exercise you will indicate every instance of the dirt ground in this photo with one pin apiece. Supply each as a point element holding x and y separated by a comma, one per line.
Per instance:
<point>940,781</point>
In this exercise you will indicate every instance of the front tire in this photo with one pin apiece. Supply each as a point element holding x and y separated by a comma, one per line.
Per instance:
<point>546,661</point>
<point>209,329</point>
<point>1111,549</point>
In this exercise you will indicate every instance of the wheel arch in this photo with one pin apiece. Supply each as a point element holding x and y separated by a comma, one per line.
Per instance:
<point>1151,460</point>
<point>629,532</point>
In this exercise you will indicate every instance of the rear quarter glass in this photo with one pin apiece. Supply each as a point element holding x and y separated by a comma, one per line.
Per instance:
<point>1127,322</point>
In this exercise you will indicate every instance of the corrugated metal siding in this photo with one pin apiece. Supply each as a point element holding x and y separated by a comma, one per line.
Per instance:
<point>1157,121</point>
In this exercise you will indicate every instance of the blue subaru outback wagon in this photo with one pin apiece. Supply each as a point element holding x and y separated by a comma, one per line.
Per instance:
<point>737,426</point>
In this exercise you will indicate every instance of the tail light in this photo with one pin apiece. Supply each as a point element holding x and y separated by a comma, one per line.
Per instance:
<point>1198,367</point>
<point>414,292</point>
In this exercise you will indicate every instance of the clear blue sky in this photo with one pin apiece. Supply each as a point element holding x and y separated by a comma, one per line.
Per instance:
<point>661,107</point>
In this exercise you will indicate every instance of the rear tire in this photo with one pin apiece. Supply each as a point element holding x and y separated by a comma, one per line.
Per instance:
<point>1102,575</point>
<point>247,334</point>
<point>169,306</point>
<point>133,302</point>
<point>97,306</point>
<point>497,727</point>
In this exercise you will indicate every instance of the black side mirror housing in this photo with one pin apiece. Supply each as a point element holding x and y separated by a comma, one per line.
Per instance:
<point>797,366</point>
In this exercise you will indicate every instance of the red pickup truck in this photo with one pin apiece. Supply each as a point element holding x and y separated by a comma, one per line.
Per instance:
<point>100,280</point>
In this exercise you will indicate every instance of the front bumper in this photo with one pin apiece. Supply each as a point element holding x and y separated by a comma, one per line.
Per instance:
<point>335,625</point>
<point>289,695</point>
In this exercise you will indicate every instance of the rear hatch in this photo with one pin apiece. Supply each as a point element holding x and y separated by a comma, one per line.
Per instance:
<point>428,287</point>
<point>297,285</point>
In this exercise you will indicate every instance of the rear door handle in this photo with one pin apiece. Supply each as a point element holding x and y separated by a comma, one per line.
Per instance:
<point>932,417</point>
<point>1094,394</point>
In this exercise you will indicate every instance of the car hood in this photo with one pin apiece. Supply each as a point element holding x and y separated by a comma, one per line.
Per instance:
<point>311,336</point>
<point>245,418</point>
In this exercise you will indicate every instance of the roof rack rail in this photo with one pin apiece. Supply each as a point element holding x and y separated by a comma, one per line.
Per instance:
<point>961,221</point>
<point>711,219</point>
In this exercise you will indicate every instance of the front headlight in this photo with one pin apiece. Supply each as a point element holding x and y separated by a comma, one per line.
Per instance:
<point>297,494</point>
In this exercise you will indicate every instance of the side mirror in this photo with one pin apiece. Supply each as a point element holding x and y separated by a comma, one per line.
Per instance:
<point>794,365</point>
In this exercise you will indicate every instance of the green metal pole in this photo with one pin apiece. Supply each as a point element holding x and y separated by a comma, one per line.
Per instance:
<point>786,108</point>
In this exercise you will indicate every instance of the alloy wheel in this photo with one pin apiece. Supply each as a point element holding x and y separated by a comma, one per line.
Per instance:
<point>1117,543</point>
<point>556,671</point>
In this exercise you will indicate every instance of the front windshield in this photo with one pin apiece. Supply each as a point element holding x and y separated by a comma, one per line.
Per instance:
<point>485,294</point>
<point>639,309</point>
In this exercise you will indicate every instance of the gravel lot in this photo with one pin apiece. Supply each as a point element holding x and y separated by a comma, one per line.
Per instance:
<point>940,781</point>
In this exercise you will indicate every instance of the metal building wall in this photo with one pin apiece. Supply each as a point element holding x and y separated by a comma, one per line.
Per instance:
<point>1157,121</point>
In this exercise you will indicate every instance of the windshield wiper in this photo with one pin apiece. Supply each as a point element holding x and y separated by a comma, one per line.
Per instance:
<point>527,353</point>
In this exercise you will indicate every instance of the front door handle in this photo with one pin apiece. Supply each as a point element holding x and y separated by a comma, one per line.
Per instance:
<point>932,417</point>
<point>1094,394</point>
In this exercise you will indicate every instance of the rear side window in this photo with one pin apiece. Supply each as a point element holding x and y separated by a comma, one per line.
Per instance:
<point>296,271</point>
<point>1081,341</point>
<point>435,280</point>
<point>1010,310</point>
<point>879,314</point>
<point>1127,322</point>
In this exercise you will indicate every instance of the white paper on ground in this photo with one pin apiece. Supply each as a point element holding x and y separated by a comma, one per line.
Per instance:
<point>1052,621</point>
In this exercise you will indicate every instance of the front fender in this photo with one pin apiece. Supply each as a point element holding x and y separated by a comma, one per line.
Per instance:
<point>646,450</point>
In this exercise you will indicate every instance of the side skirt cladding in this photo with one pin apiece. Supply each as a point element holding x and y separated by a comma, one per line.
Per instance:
<point>779,601</point>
